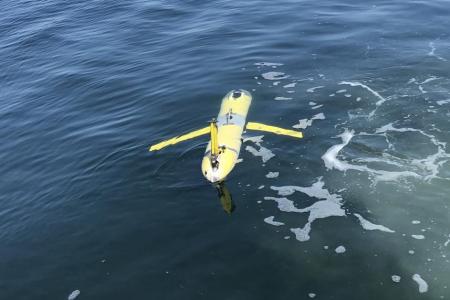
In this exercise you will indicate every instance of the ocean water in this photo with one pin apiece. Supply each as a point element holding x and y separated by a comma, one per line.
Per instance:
<point>357,209</point>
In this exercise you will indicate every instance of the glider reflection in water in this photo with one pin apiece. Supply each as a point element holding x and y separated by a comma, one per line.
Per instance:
<point>225,198</point>
<point>223,149</point>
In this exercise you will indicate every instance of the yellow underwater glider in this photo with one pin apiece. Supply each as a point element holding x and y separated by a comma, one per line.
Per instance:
<point>225,132</point>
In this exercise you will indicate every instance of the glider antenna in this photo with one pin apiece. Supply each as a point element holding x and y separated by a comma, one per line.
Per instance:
<point>214,142</point>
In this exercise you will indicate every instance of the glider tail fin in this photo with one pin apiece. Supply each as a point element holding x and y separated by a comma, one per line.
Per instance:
<point>181,138</point>
<point>273,129</point>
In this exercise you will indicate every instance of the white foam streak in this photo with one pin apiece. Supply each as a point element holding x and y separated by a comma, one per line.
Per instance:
<point>73,295</point>
<point>330,157</point>
<point>284,204</point>
<point>274,75</point>
<point>380,101</point>
<point>282,98</point>
<point>272,174</point>
<point>380,160</point>
<point>412,80</point>
<point>268,64</point>
<point>340,249</point>
<point>391,175</point>
<point>255,139</point>
<point>302,234</point>
<point>290,85</point>
<point>390,127</point>
<point>432,78</point>
<point>316,190</point>
<point>311,90</point>
<point>329,207</point>
<point>432,52</point>
<point>430,165</point>
<point>304,123</point>
<point>262,152</point>
<point>370,226</point>
<point>269,220</point>
<point>423,285</point>
<point>442,102</point>
<point>418,236</point>
<point>324,209</point>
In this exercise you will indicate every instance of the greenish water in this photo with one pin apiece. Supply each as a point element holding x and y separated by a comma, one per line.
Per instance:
<point>358,209</point>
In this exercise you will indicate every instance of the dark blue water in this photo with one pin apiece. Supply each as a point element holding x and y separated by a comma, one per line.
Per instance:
<point>359,208</point>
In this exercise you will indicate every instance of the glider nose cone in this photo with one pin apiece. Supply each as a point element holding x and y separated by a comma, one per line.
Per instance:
<point>211,174</point>
<point>214,179</point>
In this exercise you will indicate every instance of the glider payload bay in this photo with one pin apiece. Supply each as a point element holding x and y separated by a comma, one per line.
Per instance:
<point>222,152</point>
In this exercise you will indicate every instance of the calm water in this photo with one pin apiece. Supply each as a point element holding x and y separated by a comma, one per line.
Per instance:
<point>359,208</point>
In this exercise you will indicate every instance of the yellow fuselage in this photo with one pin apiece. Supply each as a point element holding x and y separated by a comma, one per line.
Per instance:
<point>230,125</point>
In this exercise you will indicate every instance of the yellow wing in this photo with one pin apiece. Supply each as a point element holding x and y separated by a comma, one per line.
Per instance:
<point>180,138</point>
<point>273,129</point>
